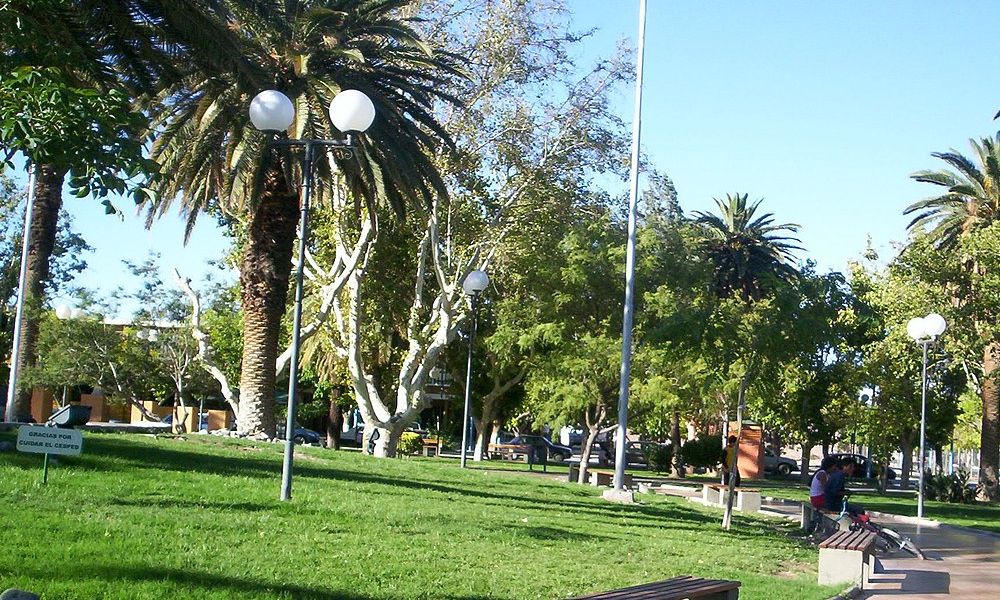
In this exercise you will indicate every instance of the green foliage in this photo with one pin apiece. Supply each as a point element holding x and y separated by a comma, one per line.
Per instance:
<point>94,134</point>
<point>410,443</point>
<point>658,456</point>
<point>949,488</point>
<point>703,452</point>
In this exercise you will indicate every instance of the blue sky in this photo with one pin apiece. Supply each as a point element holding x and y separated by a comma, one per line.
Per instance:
<point>822,109</point>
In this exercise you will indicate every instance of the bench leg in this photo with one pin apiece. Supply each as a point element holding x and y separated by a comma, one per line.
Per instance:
<point>727,595</point>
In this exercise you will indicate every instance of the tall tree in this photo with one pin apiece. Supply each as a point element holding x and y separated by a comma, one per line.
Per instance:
<point>213,159</point>
<point>66,86</point>
<point>959,221</point>
<point>749,252</point>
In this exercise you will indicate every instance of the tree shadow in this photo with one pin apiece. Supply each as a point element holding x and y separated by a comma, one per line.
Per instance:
<point>191,578</point>
<point>656,516</point>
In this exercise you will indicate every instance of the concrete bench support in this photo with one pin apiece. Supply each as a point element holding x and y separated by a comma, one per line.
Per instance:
<point>746,500</point>
<point>846,557</point>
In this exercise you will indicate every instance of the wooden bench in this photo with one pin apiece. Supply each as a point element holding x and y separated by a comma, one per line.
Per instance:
<point>509,451</point>
<point>846,557</point>
<point>678,588</point>
<point>431,445</point>
<point>747,500</point>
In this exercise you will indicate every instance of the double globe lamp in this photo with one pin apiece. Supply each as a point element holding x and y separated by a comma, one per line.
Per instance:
<point>271,111</point>
<point>924,331</point>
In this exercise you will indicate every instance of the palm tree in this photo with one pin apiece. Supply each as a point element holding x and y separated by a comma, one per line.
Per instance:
<point>213,160</point>
<point>746,250</point>
<point>80,71</point>
<point>971,202</point>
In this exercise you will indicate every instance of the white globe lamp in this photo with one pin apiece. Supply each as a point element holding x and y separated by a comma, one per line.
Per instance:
<point>475,282</point>
<point>351,110</point>
<point>915,328</point>
<point>63,312</point>
<point>934,325</point>
<point>271,110</point>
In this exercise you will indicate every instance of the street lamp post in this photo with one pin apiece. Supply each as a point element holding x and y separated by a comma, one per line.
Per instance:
<point>474,284</point>
<point>924,331</point>
<point>271,111</point>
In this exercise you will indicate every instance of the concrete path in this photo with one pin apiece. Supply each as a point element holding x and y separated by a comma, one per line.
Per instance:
<point>960,564</point>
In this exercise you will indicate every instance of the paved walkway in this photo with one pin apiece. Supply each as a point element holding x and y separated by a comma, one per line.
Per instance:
<point>961,564</point>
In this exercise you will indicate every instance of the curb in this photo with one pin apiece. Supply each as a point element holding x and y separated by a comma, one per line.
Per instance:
<point>905,519</point>
<point>852,592</point>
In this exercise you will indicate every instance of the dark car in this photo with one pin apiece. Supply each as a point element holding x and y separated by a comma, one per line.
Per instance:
<point>778,464</point>
<point>866,469</point>
<point>636,453</point>
<point>556,451</point>
<point>301,435</point>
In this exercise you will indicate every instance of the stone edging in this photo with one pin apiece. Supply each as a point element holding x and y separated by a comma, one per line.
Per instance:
<point>852,592</point>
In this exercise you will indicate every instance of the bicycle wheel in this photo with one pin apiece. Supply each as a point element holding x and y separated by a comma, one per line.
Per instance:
<point>900,542</point>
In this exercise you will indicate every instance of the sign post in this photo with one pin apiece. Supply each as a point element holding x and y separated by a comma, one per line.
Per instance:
<point>39,439</point>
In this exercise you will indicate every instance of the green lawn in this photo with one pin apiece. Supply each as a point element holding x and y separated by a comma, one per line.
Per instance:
<point>140,517</point>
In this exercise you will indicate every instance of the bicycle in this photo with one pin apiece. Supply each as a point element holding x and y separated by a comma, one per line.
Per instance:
<point>886,539</point>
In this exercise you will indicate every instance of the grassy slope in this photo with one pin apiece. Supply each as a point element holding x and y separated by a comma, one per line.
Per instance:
<point>137,517</point>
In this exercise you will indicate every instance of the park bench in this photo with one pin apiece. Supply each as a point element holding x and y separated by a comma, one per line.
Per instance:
<point>510,451</point>
<point>747,500</point>
<point>431,445</point>
<point>606,477</point>
<point>846,557</point>
<point>678,588</point>
<point>814,519</point>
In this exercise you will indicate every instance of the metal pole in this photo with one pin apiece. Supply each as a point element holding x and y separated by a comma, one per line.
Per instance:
<point>626,369</point>
<point>467,417</point>
<point>923,434</point>
<point>293,367</point>
<point>19,311</point>
<point>45,470</point>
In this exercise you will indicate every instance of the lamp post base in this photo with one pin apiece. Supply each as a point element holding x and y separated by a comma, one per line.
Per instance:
<point>619,496</point>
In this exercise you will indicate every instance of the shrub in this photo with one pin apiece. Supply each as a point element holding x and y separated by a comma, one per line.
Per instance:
<point>410,443</point>
<point>703,452</point>
<point>949,488</point>
<point>658,457</point>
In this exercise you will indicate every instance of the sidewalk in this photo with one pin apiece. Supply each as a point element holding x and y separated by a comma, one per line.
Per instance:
<point>961,563</point>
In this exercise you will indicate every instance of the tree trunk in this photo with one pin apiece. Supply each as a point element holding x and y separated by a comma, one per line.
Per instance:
<point>382,441</point>
<point>906,447</point>
<point>675,441</point>
<point>334,421</point>
<point>804,475</point>
<point>592,432</point>
<point>482,429</point>
<point>264,273</point>
<point>989,446</point>
<point>43,226</point>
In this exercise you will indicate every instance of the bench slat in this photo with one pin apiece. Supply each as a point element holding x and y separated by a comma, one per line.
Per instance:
<point>676,588</point>
<point>849,540</point>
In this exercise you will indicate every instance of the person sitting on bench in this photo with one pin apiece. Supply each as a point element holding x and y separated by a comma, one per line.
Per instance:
<point>819,480</point>
<point>836,489</point>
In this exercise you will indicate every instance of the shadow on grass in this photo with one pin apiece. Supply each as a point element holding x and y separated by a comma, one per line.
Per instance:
<point>189,578</point>
<point>649,516</point>
<point>164,502</point>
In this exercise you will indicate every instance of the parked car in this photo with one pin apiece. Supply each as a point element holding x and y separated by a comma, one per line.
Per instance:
<point>301,435</point>
<point>778,464</point>
<point>556,451</point>
<point>636,452</point>
<point>866,469</point>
